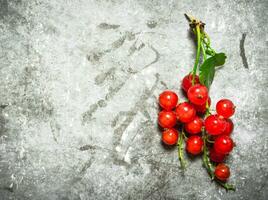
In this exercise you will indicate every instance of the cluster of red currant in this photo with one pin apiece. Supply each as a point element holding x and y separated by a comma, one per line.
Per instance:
<point>218,126</point>
<point>192,122</point>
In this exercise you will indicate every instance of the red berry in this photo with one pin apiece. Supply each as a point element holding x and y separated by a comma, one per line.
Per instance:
<point>215,156</point>
<point>195,126</point>
<point>170,136</point>
<point>185,112</point>
<point>215,125</point>
<point>187,82</point>
<point>222,172</point>
<point>194,144</point>
<point>225,108</point>
<point>167,119</point>
<point>202,108</point>
<point>168,100</point>
<point>223,144</point>
<point>229,127</point>
<point>198,94</point>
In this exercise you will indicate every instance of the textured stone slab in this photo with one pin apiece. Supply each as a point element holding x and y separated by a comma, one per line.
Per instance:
<point>79,82</point>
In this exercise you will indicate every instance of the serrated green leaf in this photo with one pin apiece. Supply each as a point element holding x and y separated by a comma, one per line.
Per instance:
<point>207,69</point>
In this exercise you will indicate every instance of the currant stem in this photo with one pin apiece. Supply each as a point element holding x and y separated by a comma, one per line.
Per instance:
<point>209,165</point>
<point>180,150</point>
<point>206,161</point>
<point>203,51</point>
<point>203,43</point>
<point>226,185</point>
<point>210,141</point>
<point>198,36</point>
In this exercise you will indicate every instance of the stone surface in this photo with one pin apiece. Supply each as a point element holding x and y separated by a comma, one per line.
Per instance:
<point>79,82</point>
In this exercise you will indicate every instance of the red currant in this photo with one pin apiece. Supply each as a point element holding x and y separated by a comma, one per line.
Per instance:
<point>170,136</point>
<point>198,94</point>
<point>195,126</point>
<point>225,108</point>
<point>215,125</point>
<point>187,82</point>
<point>194,145</point>
<point>215,156</point>
<point>168,100</point>
<point>223,144</point>
<point>222,172</point>
<point>202,108</point>
<point>185,112</point>
<point>229,127</point>
<point>167,119</point>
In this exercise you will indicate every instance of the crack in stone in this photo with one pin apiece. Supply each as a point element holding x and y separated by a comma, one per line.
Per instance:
<point>118,132</point>
<point>157,56</point>
<point>95,56</point>
<point>164,84</point>
<point>113,91</point>
<point>55,129</point>
<point>99,79</point>
<point>107,26</point>
<point>135,48</point>
<point>86,166</point>
<point>242,51</point>
<point>102,103</point>
<point>116,119</point>
<point>3,121</point>
<point>141,129</point>
<point>118,43</point>
<point>91,147</point>
<point>87,116</point>
<point>87,147</point>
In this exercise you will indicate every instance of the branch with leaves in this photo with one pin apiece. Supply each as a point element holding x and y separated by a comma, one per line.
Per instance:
<point>202,132</point>
<point>207,69</point>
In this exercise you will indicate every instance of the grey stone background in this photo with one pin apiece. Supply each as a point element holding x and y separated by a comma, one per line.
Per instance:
<point>79,82</point>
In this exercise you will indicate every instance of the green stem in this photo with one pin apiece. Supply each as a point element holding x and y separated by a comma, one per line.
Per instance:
<point>210,141</point>
<point>208,39</point>
<point>210,167</point>
<point>207,109</point>
<point>197,54</point>
<point>226,185</point>
<point>203,51</point>
<point>180,150</point>
<point>206,161</point>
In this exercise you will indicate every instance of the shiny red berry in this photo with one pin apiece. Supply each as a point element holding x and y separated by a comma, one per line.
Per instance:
<point>225,108</point>
<point>168,100</point>
<point>222,172</point>
<point>215,125</point>
<point>170,136</point>
<point>202,108</point>
<point>198,94</point>
<point>187,82</point>
<point>223,144</point>
<point>185,112</point>
<point>215,156</point>
<point>229,127</point>
<point>194,145</point>
<point>167,119</point>
<point>195,126</point>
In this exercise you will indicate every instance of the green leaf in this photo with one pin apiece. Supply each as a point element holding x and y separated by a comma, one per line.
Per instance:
<point>219,59</point>
<point>207,69</point>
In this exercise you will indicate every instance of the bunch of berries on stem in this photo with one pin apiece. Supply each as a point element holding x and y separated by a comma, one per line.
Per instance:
<point>191,124</point>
